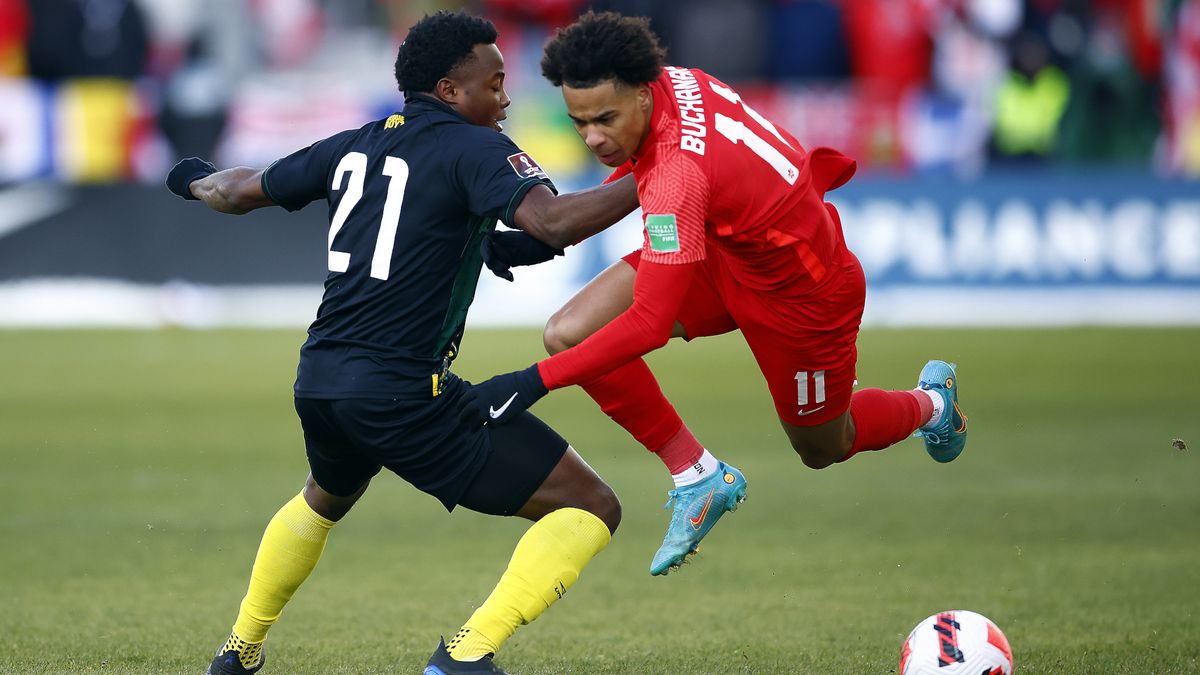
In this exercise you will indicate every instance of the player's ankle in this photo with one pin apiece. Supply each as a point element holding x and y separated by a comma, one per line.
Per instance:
<point>248,653</point>
<point>470,644</point>
<point>681,451</point>
<point>704,466</point>
<point>939,407</point>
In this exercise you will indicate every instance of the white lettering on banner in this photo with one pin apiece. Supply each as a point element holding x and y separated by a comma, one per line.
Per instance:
<point>1074,246</point>
<point>1181,240</point>
<point>971,246</point>
<point>924,243</point>
<point>1017,245</point>
<point>691,109</point>
<point>1132,239</point>
<point>872,231</point>
<point>1065,241</point>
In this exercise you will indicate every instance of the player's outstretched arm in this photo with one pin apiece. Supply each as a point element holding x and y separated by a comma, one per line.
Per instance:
<point>563,220</point>
<point>658,293</point>
<point>237,190</point>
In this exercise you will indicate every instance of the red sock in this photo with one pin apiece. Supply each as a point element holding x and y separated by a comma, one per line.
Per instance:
<point>682,452</point>
<point>884,418</point>
<point>632,398</point>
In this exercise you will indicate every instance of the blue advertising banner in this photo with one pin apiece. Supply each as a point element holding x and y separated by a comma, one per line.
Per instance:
<point>1025,231</point>
<point>1018,249</point>
<point>1032,247</point>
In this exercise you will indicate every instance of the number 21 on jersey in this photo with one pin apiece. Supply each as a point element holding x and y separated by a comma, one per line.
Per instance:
<point>355,164</point>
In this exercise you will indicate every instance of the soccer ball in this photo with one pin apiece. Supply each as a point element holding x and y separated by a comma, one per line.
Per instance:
<point>957,642</point>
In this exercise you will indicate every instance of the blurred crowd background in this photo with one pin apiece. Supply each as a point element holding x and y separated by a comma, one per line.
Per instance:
<point>115,90</point>
<point>1022,162</point>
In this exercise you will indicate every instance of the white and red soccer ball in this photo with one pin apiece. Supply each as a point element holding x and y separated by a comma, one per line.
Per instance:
<point>956,642</point>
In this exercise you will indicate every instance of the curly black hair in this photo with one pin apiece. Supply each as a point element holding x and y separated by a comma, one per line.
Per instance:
<point>438,44</point>
<point>604,46</point>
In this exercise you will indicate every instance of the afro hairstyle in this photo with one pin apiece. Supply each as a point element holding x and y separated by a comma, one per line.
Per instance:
<point>438,44</point>
<point>604,46</point>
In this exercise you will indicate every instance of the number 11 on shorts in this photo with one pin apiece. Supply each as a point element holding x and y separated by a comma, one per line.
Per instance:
<point>806,385</point>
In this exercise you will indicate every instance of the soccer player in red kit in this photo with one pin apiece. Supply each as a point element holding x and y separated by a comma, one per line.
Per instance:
<point>737,237</point>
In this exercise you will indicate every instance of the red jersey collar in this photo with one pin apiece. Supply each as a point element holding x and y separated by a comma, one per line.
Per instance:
<point>658,119</point>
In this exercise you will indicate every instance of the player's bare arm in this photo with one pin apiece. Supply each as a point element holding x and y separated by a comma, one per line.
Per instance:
<point>237,190</point>
<point>563,220</point>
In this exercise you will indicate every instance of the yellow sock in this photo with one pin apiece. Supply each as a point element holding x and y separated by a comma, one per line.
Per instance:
<point>546,562</point>
<point>249,654</point>
<point>290,549</point>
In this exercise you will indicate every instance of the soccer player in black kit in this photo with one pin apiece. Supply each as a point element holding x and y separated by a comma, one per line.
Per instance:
<point>410,199</point>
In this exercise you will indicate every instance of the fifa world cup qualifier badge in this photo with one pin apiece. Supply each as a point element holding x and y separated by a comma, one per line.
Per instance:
<point>662,232</point>
<point>525,166</point>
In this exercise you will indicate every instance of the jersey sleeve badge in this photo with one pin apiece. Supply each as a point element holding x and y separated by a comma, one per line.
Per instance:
<point>663,233</point>
<point>525,166</point>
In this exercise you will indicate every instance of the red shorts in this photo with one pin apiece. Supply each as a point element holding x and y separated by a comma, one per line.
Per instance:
<point>805,348</point>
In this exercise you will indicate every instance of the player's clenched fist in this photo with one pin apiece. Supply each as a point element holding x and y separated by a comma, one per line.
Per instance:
<point>185,173</point>
<point>502,250</point>
<point>501,398</point>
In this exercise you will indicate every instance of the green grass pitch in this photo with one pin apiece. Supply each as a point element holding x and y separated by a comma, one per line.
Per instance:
<point>139,469</point>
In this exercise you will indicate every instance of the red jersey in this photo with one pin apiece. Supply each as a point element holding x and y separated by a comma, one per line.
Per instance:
<point>714,176</point>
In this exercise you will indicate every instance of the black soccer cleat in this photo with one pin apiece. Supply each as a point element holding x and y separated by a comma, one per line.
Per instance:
<point>230,663</point>
<point>441,664</point>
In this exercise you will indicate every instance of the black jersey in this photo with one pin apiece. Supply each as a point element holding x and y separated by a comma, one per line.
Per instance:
<point>410,197</point>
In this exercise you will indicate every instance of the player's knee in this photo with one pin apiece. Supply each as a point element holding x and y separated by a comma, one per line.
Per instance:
<point>814,461</point>
<point>817,456</point>
<point>604,504</point>
<point>326,505</point>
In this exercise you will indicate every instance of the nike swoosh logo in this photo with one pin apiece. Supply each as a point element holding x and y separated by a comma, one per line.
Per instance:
<point>704,511</point>
<point>802,412</point>
<point>497,413</point>
<point>963,427</point>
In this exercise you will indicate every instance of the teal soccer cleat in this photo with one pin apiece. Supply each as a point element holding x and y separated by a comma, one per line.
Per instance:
<point>697,508</point>
<point>948,437</point>
<point>441,664</point>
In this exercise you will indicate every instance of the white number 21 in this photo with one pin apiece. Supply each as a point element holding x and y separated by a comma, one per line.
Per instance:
<point>355,164</point>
